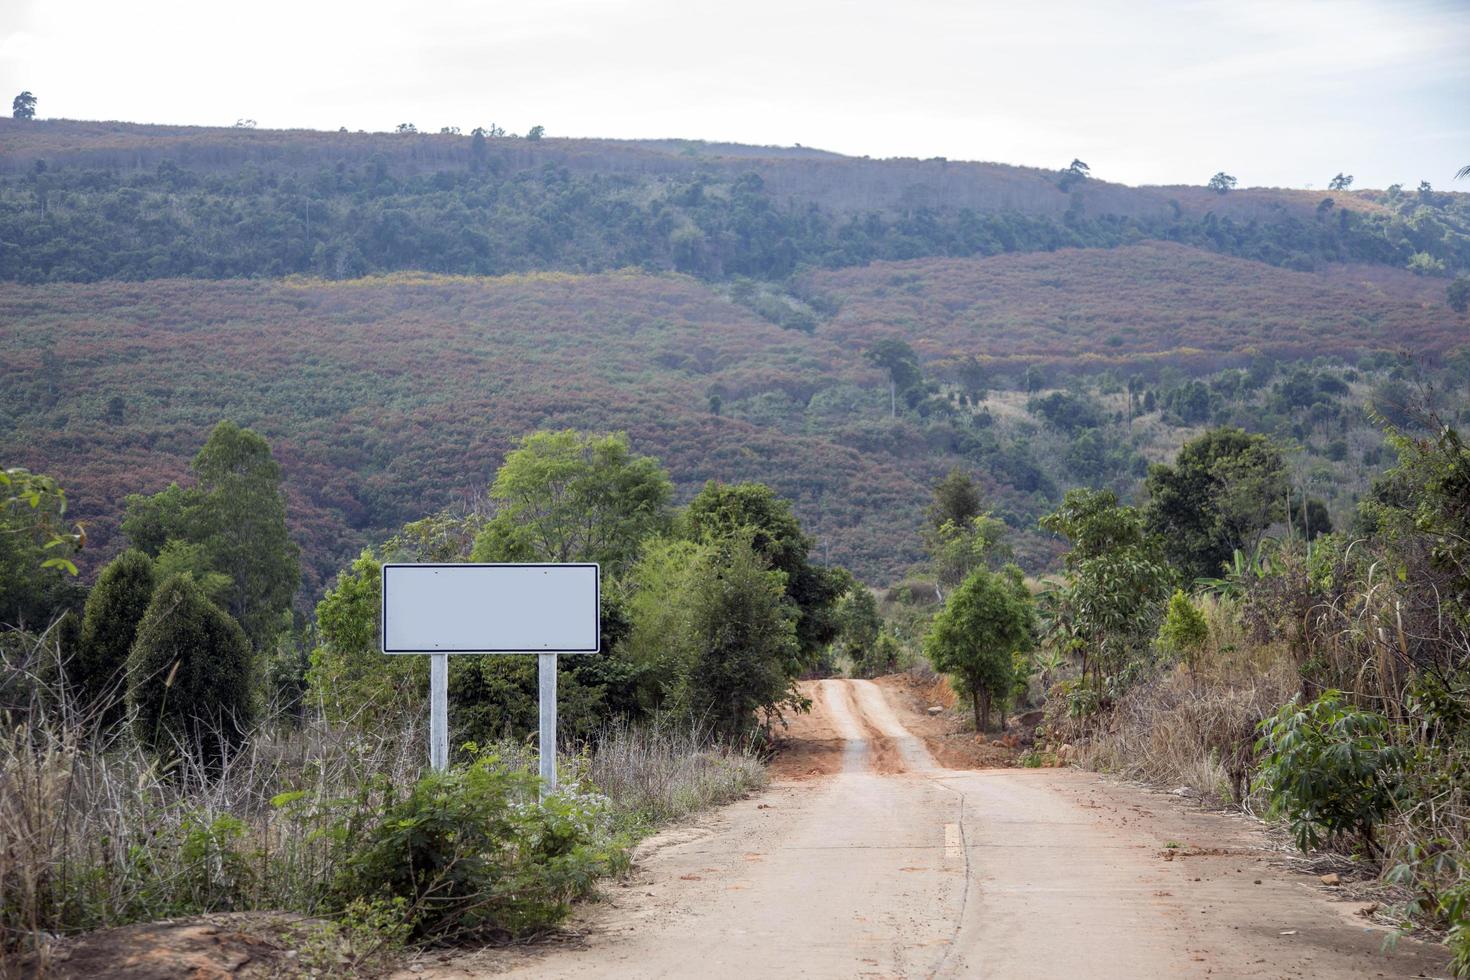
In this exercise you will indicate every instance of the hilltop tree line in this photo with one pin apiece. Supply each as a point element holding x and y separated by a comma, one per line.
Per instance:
<point>84,225</point>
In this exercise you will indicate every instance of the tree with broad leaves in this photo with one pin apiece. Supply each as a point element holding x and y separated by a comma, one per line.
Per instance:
<point>974,638</point>
<point>901,363</point>
<point>570,496</point>
<point>1116,583</point>
<point>23,106</point>
<point>1222,492</point>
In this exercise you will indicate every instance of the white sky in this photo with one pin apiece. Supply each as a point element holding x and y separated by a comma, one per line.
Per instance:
<point>1155,91</point>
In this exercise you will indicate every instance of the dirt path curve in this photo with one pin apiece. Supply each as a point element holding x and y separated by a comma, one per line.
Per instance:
<point>896,867</point>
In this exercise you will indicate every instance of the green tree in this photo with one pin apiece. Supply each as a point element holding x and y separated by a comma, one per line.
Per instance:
<point>1108,609</point>
<point>660,635</point>
<point>956,500</point>
<point>1340,183</point>
<point>1184,630</point>
<point>989,618</point>
<point>1076,173</point>
<point>1225,488</point>
<point>721,512</point>
<point>902,365</point>
<point>1221,183</point>
<point>115,607</point>
<point>33,506</point>
<point>23,106</point>
<point>189,675</point>
<point>349,678</point>
<point>570,496</point>
<point>243,529</point>
<point>235,516</point>
<point>743,640</point>
<point>859,626</point>
<point>957,550</point>
<point>37,576</point>
<point>1457,294</point>
<point>958,534</point>
<point>535,132</point>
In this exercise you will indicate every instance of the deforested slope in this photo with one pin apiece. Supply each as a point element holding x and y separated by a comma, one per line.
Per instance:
<point>387,397</point>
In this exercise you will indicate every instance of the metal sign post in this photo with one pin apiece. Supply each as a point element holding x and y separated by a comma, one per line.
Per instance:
<point>546,726</point>
<point>439,710</point>
<point>441,609</point>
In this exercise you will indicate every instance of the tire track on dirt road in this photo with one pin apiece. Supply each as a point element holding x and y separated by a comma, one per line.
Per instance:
<point>870,860</point>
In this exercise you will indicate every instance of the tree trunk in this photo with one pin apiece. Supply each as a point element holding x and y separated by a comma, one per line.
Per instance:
<point>985,712</point>
<point>975,704</point>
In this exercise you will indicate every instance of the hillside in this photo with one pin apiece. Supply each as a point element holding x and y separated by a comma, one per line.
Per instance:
<point>807,175</point>
<point>1144,306</point>
<point>387,397</point>
<point>89,201</point>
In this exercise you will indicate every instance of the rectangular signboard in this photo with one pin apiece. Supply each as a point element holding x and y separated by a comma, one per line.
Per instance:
<point>491,608</point>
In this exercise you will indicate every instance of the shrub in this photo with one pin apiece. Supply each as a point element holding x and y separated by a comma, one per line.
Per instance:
<point>470,851</point>
<point>1330,769</point>
<point>114,609</point>
<point>189,675</point>
<point>1184,630</point>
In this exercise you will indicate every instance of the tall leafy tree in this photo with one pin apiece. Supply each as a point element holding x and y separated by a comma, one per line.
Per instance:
<point>743,642</point>
<point>958,534</point>
<point>901,363</point>
<point>234,519</point>
<point>1225,488</point>
<point>860,627</point>
<point>36,572</point>
<point>115,607</point>
<point>23,106</point>
<point>572,496</point>
<point>349,677</point>
<point>988,619</point>
<point>754,512</point>
<point>956,500</point>
<point>189,675</point>
<point>1109,607</point>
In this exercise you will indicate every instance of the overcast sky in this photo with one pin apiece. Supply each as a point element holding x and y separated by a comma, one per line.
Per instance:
<point>1277,92</point>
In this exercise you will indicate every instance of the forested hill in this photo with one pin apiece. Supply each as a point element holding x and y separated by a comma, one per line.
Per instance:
<point>84,201</point>
<point>393,311</point>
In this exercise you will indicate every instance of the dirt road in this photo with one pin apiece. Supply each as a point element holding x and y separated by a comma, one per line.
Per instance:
<point>875,861</point>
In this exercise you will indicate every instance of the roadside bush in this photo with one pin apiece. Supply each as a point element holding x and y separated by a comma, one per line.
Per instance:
<point>114,609</point>
<point>189,675</point>
<point>470,851</point>
<point>1184,631</point>
<point>1330,769</point>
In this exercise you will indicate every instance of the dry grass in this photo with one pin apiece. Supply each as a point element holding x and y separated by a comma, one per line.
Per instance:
<point>1196,728</point>
<point>96,832</point>
<point>654,774</point>
<point>1182,731</point>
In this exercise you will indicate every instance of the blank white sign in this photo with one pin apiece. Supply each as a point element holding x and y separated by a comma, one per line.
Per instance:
<point>490,609</point>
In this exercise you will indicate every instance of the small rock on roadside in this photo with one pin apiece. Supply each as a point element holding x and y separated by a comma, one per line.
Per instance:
<point>935,709</point>
<point>1331,879</point>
